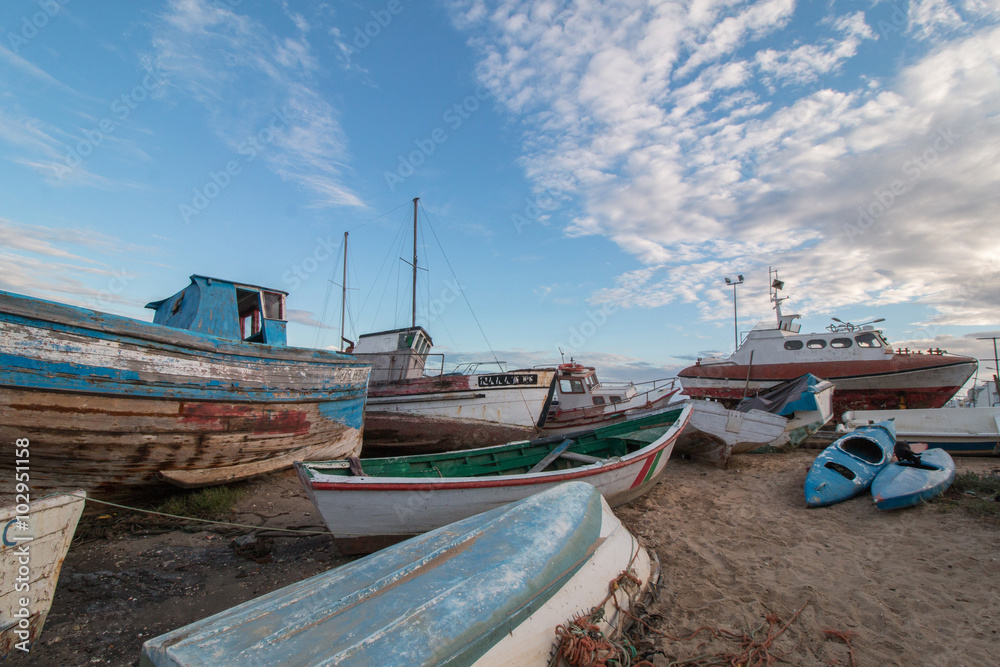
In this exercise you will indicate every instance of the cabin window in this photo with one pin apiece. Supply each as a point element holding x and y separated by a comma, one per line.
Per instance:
<point>841,342</point>
<point>570,386</point>
<point>816,344</point>
<point>793,345</point>
<point>598,400</point>
<point>274,305</point>
<point>867,340</point>
<point>616,399</point>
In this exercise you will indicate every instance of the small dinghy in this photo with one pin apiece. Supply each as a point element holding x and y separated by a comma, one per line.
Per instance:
<point>847,468</point>
<point>904,484</point>
<point>488,590</point>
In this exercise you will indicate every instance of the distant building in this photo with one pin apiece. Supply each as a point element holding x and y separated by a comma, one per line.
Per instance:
<point>983,395</point>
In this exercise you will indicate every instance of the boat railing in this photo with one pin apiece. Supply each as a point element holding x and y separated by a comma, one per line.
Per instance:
<point>641,387</point>
<point>472,367</point>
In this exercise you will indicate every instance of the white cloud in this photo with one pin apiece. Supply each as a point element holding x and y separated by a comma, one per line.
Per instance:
<point>879,186</point>
<point>216,55</point>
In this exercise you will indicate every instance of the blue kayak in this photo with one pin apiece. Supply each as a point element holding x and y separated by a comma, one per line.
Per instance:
<point>848,467</point>
<point>902,484</point>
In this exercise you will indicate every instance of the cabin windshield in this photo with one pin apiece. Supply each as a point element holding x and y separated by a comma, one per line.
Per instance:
<point>868,340</point>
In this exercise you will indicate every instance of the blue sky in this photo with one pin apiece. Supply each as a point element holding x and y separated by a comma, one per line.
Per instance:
<point>589,172</point>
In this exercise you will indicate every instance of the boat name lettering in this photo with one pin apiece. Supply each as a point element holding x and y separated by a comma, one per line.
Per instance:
<point>507,380</point>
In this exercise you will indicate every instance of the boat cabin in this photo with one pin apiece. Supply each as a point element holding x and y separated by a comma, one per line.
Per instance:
<point>230,310</point>
<point>395,355</point>
<point>577,386</point>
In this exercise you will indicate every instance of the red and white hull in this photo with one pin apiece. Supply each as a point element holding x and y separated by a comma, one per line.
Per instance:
<point>903,380</point>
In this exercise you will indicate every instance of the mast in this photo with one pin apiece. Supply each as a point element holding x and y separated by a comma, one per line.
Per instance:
<point>343,295</point>
<point>414,319</point>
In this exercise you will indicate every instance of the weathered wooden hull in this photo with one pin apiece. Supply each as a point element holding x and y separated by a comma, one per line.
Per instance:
<point>901,485</point>
<point>368,512</point>
<point>113,405</point>
<point>902,380</point>
<point>847,468</point>
<point>448,412</point>
<point>488,590</point>
<point>31,557</point>
<point>958,431</point>
<point>715,431</point>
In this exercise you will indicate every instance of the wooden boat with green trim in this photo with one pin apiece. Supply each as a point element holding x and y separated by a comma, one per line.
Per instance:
<point>390,499</point>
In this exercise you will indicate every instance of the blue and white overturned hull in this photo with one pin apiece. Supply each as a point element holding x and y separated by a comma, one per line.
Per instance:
<point>487,590</point>
<point>847,468</point>
<point>112,405</point>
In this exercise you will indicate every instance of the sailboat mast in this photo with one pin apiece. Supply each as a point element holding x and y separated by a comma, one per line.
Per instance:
<point>343,295</point>
<point>415,200</point>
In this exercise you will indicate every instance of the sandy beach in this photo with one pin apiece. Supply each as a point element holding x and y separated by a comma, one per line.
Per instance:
<point>912,587</point>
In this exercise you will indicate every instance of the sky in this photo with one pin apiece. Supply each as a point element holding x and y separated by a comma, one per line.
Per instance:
<point>589,173</point>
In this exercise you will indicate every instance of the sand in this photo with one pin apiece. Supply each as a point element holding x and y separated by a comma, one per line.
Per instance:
<point>912,587</point>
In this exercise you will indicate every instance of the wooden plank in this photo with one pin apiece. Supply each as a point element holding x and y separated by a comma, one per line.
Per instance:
<point>551,456</point>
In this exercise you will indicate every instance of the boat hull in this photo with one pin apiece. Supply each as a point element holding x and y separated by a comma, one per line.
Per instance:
<point>715,432</point>
<point>901,485</point>
<point>449,412</point>
<point>958,431</point>
<point>51,523</point>
<point>368,512</point>
<point>913,381</point>
<point>847,468</point>
<point>116,406</point>
<point>488,590</point>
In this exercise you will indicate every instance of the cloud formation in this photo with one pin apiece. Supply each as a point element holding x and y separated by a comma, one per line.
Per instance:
<point>855,149</point>
<point>215,54</point>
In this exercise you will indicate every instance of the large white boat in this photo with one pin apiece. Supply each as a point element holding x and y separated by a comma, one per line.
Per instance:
<point>867,372</point>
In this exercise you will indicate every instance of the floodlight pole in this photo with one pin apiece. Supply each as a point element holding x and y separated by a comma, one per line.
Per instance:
<point>736,329</point>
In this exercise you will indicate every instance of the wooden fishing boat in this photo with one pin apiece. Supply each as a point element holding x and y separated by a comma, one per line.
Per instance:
<point>36,537</point>
<point>415,408</point>
<point>580,401</point>
<point>715,432</point>
<point>869,374</point>
<point>487,590</point>
<point>208,393</point>
<point>903,484</point>
<point>958,431</point>
<point>394,498</point>
<point>847,468</point>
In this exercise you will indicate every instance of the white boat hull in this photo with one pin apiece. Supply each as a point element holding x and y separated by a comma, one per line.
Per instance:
<point>30,561</point>
<point>715,431</point>
<point>962,431</point>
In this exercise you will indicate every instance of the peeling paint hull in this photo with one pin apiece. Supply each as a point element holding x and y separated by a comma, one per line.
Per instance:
<point>51,524</point>
<point>114,406</point>
<point>715,432</point>
<point>488,590</point>
<point>449,412</point>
